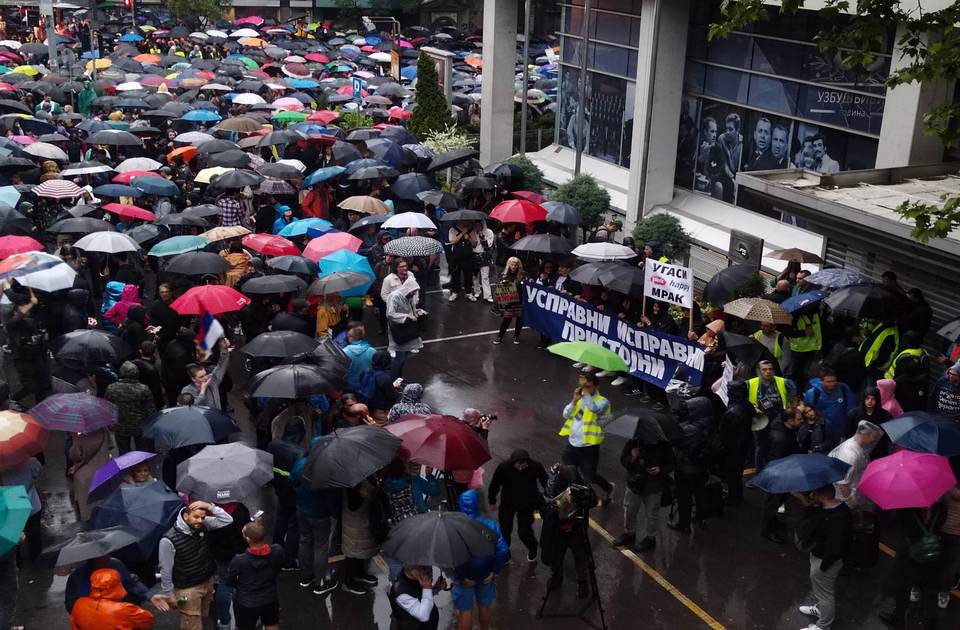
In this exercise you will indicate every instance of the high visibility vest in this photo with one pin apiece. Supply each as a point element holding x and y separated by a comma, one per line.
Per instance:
<point>807,344</point>
<point>592,431</point>
<point>909,352</point>
<point>777,343</point>
<point>753,390</point>
<point>872,345</point>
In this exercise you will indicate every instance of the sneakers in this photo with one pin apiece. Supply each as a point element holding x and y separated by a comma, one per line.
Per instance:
<point>636,391</point>
<point>810,611</point>
<point>354,588</point>
<point>532,555</point>
<point>497,341</point>
<point>812,626</point>
<point>516,341</point>
<point>607,500</point>
<point>326,586</point>
<point>472,298</point>
<point>943,600</point>
<point>624,539</point>
<point>646,544</point>
<point>306,582</point>
<point>620,380</point>
<point>914,594</point>
<point>452,298</point>
<point>605,373</point>
<point>577,365</point>
<point>369,580</point>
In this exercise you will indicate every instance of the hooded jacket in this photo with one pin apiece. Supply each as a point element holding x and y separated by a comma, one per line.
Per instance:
<point>78,583</point>
<point>254,573</point>
<point>111,296</point>
<point>410,403</point>
<point>133,399</point>
<point>944,399</point>
<point>312,503</point>
<point>888,396</point>
<point>103,610</point>
<point>479,568</point>
<point>517,489</point>
<point>129,296</point>
<point>281,221</point>
<point>385,395</point>
<point>833,406</point>
<point>361,358</point>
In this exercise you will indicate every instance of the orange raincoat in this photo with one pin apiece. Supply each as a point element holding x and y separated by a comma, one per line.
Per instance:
<point>103,610</point>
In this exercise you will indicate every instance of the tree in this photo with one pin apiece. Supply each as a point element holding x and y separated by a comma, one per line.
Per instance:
<point>588,197</point>
<point>431,113</point>
<point>200,9</point>
<point>532,175</point>
<point>929,47</point>
<point>666,230</point>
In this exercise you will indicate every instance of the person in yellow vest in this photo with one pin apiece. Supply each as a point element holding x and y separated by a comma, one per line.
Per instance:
<point>806,342</point>
<point>585,416</point>
<point>774,341</point>
<point>879,347</point>
<point>770,395</point>
<point>911,370</point>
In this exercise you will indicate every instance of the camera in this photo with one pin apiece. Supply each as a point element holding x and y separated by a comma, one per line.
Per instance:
<point>490,417</point>
<point>582,497</point>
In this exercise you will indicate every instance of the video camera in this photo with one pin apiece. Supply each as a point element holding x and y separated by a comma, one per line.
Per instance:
<point>575,501</point>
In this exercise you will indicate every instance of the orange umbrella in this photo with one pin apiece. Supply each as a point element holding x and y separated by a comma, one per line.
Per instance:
<point>147,58</point>
<point>184,153</point>
<point>253,42</point>
<point>474,60</point>
<point>193,82</point>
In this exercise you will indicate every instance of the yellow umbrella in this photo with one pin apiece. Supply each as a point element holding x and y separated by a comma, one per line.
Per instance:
<point>148,28</point>
<point>207,174</point>
<point>30,71</point>
<point>101,64</point>
<point>175,75</point>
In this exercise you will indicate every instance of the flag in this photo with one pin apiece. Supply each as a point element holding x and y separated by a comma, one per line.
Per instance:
<point>85,98</point>
<point>209,333</point>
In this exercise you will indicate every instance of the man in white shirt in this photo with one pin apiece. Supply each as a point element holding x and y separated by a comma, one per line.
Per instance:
<point>856,452</point>
<point>411,598</point>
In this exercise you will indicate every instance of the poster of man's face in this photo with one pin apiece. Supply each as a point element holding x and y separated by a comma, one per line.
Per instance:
<point>819,149</point>
<point>769,143</point>
<point>720,149</point>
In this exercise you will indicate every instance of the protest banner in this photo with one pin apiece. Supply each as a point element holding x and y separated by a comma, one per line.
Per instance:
<point>650,354</point>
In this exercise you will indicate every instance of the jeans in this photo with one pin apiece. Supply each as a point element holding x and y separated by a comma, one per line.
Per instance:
<point>586,458</point>
<point>768,518</point>
<point>761,443</point>
<point>223,596</point>
<point>394,568</point>
<point>314,546</point>
<point>641,513</point>
<point>824,586</point>
<point>466,273</point>
<point>8,588</point>
<point>396,365</point>
<point>524,526</point>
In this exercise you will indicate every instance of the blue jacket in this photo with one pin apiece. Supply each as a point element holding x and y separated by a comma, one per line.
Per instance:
<point>280,221</point>
<point>313,503</point>
<point>421,488</point>
<point>479,568</point>
<point>361,356</point>
<point>834,407</point>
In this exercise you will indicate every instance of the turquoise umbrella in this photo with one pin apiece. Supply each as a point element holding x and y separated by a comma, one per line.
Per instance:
<point>178,245</point>
<point>9,196</point>
<point>300,226</point>
<point>345,260</point>
<point>14,512</point>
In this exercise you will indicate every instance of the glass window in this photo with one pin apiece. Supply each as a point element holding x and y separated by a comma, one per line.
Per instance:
<point>773,94</point>
<point>784,25</point>
<point>623,6</point>
<point>730,85</point>
<point>611,28</point>
<point>612,59</point>
<point>606,105</point>
<point>626,142</point>
<point>697,43</point>
<point>780,58</point>
<point>693,78</point>
<point>841,109</point>
<point>735,50</point>
<point>829,71</point>
<point>635,32</point>
<point>573,21</point>
<point>861,153</point>
<point>570,50</point>
<point>567,106</point>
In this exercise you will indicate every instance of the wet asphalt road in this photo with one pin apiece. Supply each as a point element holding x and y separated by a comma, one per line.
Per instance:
<point>724,576</point>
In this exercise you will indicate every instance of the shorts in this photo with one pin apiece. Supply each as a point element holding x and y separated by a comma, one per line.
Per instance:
<point>246,618</point>
<point>483,594</point>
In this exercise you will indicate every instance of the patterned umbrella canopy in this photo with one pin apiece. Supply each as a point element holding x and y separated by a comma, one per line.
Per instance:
<point>76,413</point>
<point>413,246</point>
<point>21,437</point>
<point>758,310</point>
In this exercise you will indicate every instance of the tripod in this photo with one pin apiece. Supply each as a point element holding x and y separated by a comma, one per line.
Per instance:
<point>580,531</point>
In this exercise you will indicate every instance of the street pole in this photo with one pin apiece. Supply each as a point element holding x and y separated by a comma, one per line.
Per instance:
<point>46,8</point>
<point>584,50</point>
<point>526,76</point>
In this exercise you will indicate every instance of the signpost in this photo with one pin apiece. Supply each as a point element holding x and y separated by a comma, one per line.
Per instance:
<point>357,84</point>
<point>443,60</point>
<point>46,10</point>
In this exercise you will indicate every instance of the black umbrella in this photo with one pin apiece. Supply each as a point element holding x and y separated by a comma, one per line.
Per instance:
<point>873,301</point>
<point>411,185</point>
<point>589,273</point>
<point>198,264</point>
<point>344,152</point>
<point>80,225</point>
<point>370,219</point>
<point>538,243</point>
<point>180,218</point>
<point>96,544</point>
<point>144,233</point>
<point>560,212</point>
<point>12,222</point>
<point>225,472</point>
<point>279,171</point>
<point>270,285</point>
<point>166,423</point>
<point>115,137</point>
<point>363,133</point>
<point>439,199</point>
<point>373,172</point>
<point>451,158</point>
<point>234,158</point>
<point>747,350</point>
<point>294,264</point>
<point>238,178</point>
<point>647,425</point>
<point>398,134</point>
<point>12,163</point>
<point>90,346</point>
<point>443,539</point>
<point>724,283</point>
<point>279,137</point>
<point>626,279</point>
<point>505,170</point>
<point>216,146</point>
<point>10,105</point>
<point>147,508</point>
<point>83,210</point>
<point>203,210</point>
<point>280,344</point>
<point>295,381</point>
<point>393,90</point>
<point>348,456</point>
<point>477,182</point>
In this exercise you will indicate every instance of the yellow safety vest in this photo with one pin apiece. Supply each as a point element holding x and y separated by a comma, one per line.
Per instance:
<point>777,345</point>
<point>753,390</point>
<point>909,352</point>
<point>871,347</point>
<point>592,431</point>
<point>807,344</point>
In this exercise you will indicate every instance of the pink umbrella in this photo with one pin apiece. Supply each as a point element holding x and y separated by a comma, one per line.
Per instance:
<point>288,103</point>
<point>367,48</point>
<point>329,243</point>
<point>907,480</point>
<point>24,140</point>
<point>256,20</point>
<point>317,57</point>
<point>529,196</point>
<point>348,90</point>
<point>405,44</point>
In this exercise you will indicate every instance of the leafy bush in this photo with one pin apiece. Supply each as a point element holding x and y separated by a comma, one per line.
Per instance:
<point>666,230</point>
<point>432,112</point>
<point>354,120</point>
<point>447,139</point>
<point>588,197</point>
<point>532,175</point>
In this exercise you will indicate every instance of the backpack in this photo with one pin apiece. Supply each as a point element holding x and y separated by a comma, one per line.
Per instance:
<point>368,386</point>
<point>928,548</point>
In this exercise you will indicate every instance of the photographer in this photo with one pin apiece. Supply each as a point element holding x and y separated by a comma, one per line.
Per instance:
<point>515,482</point>
<point>569,500</point>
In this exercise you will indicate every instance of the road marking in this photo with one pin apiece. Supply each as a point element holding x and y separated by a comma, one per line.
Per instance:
<point>893,554</point>
<point>454,337</point>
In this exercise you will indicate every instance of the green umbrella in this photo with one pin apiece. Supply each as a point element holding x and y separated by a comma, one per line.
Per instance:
<point>249,63</point>
<point>286,116</point>
<point>178,245</point>
<point>14,512</point>
<point>590,354</point>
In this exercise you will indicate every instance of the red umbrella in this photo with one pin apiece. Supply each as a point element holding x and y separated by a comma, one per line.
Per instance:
<point>443,442</point>
<point>399,113</point>
<point>10,245</point>
<point>529,196</point>
<point>317,57</point>
<point>329,243</point>
<point>270,245</point>
<point>124,178</point>
<point>324,116</point>
<point>518,211</point>
<point>129,211</point>
<point>215,298</point>
<point>21,437</point>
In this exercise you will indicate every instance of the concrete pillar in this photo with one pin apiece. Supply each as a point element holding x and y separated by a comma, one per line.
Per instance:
<point>902,138</point>
<point>499,71</point>
<point>660,66</point>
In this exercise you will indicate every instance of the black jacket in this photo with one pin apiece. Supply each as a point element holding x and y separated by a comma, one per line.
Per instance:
<point>255,577</point>
<point>832,535</point>
<point>149,375</point>
<point>519,488</point>
<point>658,455</point>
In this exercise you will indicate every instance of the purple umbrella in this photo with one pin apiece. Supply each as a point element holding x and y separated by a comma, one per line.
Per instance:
<point>108,477</point>
<point>76,413</point>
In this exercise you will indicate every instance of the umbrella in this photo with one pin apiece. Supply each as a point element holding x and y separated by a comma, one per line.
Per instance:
<point>271,285</point>
<point>925,432</point>
<point>129,211</point>
<point>11,244</point>
<point>107,243</point>
<point>225,233</point>
<point>238,178</point>
<point>409,220</point>
<point>117,190</point>
<point>626,279</point>
<point>184,425</point>
<point>21,437</point>
<point>15,509</point>
<point>304,226</point>
<point>214,298</point>
<point>800,473</point>
<point>198,264</point>
<point>338,281</point>
<point>294,264</point>
<point>907,480</point>
<point>149,509</point>
<point>46,151</point>
<point>413,246</point>
<point>599,252</point>
<point>444,539</point>
<point>80,225</point>
<point>465,215</point>
<point>539,243</point>
<point>55,278</point>
<point>225,472</point>
<point>873,301</point>
<point>90,347</point>
<point>410,185</point>
<point>115,137</point>
<point>451,158</point>
<point>322,175</point>
<point>560,212</point>
<point>270,245</point>
<point>794,255</point>
<point>108,477</point>
<point>143,233</point>
<point>348,456</point>
<point>836,278</point>
<point>96,544</point>
<point>758,310</point>
<point>280,344</point>
<point>157,186</point>
<point>725,282</point>
<point>950,330</point>
<point>803,300</point>
<point>290,382</point>
<point>519,211</point>
<point>279,171</point>
<point>330,243</point>
<point>178,245</point>
<point>58,189</point>
<point>138,164</point>
<point>12,221</point>
<point>444,442</point>
<point>86,168</point>
<point>442,199</point>
<point>75,413</point>
<point>17,265</point>
<point>590,354</point>
<point>477,182</point>
<point>747,349</point>
<point>365,204</point>
<point>648,425</point>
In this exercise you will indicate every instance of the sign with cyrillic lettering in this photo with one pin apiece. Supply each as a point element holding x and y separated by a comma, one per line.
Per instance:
<point>668,283</point>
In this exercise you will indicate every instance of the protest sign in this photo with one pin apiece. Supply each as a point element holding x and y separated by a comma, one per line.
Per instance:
<point>668,283</point>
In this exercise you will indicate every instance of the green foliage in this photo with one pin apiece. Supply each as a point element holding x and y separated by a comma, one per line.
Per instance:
<point>443,140</point>
<point>203,9</point>
<point>354,120</point>
<point>754,287</point>
<point>588,197</point>
<point>666,230</point>
<point>532,175</point>
<point>432,112</point>
<point>928,45</point>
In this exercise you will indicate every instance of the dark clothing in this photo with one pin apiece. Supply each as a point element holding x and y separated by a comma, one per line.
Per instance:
<point>405,621</point>
<point>736,438</point>
<point>177,355</point>
<point>586,458</point>
<point>161,315</point>
<point>134,402</point>
<point>847,360</point>
<point>195,563</point>
<point>75,311</point>
<point>254,576</point>
<point>78,584</point>
<point>246,618</point>
<point>832,535</point>
<point>519,487</point>
<point>149,375</point>
<point>659,455</point>
<point>813,438</point>
<point>945,399</point>
<point>292,321</point>
<point>918,318</point>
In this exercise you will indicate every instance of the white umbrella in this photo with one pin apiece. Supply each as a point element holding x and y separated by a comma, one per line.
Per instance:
<point>382,57</point>
<point>204,176</point>
<point>277,87</point>
<point>294,59</point>
<point>199,35</point>
<point>9,43</point>
<point>107,242</point>
<point>248,99</point>
<point>129,86</point>
<point>138,164</point>
<point>297,164</point>
<point>85,168</point>
<point>193,137</point>
<point>55,278</point>
<point>47,151</point>
<point>214,33</point>
<point>409,220</point>
<point>603,252</point>
<point>217,87</point>
<point>244,32</point>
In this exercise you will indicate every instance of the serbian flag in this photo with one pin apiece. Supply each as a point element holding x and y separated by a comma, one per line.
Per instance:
<point>209,333</point>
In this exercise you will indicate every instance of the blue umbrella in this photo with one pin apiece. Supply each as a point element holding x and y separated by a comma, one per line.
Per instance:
<point>345,260</point>
<point>202,115</point>
<point>356,165</point>
<point>173,430</point>
<point>319,230</point>
<point>837,278</point>
<point>9,196</point>
<point>800,473</point>
<point>157,186</point>
<point>925,432</point>
<point>147,508</point>
<point>409,73</point>
<point>14,511</point>
<point>176,245</point>
<point>387,151</point>
<point>117,190</point>
<point>131,37</point>
<point>322,175</point>
<point>303,83</point>
<point>797,302</point>
<point>108,477</point>
<point>300,226</point>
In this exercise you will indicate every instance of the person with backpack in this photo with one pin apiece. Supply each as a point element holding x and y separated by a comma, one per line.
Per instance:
<point>833,399</point>
<point>828,541</point>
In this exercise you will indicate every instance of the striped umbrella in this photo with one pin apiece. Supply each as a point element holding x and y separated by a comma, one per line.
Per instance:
<point>75,413</point>
<point>58,189</point>
<point>21,437</point>
<point>27,262</point>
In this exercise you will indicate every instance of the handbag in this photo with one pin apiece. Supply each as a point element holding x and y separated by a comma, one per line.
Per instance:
<point>404,331</point>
